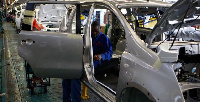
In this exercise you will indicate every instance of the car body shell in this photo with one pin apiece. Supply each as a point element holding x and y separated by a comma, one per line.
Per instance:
<point>65,55</point>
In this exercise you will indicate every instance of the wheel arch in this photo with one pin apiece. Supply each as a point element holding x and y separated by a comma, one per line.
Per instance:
<point>134,92</point>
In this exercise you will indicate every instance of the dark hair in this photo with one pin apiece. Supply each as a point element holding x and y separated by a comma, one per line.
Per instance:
<point>95,24</point>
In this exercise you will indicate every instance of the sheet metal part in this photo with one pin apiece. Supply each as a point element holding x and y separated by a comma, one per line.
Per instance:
<point>174,14</point>
<point>59,62</point>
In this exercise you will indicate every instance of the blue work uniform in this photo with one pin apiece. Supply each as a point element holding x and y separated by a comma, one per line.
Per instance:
<point>71,90</point>
<point>102,45</point>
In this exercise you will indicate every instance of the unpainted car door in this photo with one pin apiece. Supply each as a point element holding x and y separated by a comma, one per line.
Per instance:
<point>52,54</point>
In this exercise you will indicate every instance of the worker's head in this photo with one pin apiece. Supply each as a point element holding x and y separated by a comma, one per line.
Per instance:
<point>95,28</point>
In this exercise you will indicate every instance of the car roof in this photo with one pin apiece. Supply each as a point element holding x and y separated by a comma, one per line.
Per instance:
<point>118,3</point>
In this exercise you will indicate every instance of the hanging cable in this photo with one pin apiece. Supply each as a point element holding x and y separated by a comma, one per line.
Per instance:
<point>180,26</point>
<point>193,20</point>
<point>174,30</point>
<point>167,37</point>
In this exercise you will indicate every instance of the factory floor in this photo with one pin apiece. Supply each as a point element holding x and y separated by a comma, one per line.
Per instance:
<point>15,75</point>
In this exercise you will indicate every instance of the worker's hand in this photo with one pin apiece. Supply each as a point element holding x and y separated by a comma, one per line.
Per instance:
<point>97,57</point>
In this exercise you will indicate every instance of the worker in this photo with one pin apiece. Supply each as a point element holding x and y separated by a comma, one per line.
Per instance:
<point>71,90</point>
<point>102,51</point>
<point>36,25</point>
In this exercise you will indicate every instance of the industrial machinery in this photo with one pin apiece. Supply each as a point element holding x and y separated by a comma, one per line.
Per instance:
<point>33,81</point>
<point>19,14</point>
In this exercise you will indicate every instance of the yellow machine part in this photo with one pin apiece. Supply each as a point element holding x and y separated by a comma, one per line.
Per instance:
<point>84,94</point>
<point>82,17</point>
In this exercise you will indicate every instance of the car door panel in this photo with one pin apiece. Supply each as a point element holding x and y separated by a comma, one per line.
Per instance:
<point>52,54</point>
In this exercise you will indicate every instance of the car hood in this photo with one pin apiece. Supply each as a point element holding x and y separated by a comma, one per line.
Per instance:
<point>187,11</point>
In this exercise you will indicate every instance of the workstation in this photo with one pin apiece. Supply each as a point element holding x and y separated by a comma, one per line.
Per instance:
<point>115,51</point>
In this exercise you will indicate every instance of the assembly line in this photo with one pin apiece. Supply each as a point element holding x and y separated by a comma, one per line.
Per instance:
<point>100,50</point>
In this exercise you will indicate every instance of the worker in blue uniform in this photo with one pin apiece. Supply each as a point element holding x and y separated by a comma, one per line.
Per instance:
<point>102,51</point>
<point>71,90</point>
<point>102,48</point>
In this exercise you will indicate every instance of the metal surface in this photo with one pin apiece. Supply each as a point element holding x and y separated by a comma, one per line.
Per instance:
<point>140,67</point>
<point>149,78</point>
<point>88,63</point>
<point>17,91</point>
<point>50,12</point>
<point>188,33</point>
<point>174,16</point>
<point>149,62</point>
<point>50,53</point>
<point>188,85</point>
<point>136,4</point>
<point>78,19</point>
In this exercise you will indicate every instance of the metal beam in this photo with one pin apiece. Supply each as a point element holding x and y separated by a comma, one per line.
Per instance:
<point>78,20</point>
